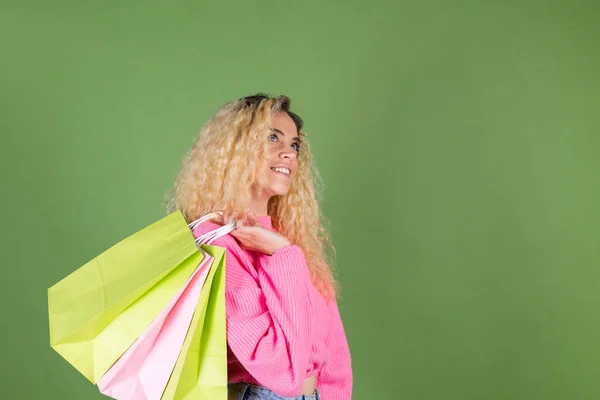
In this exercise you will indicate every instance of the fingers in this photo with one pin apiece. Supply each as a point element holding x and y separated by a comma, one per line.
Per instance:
<point>224,217</point>
<point>243,232</point>
<point>241,237</point>
<point>228,217</point>
<point>252,219</point>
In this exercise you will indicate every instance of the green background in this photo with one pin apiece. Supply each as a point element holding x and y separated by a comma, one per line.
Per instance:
<point>459,143</point>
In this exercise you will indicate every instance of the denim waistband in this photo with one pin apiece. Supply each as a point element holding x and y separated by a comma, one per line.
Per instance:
<point>247,391</point>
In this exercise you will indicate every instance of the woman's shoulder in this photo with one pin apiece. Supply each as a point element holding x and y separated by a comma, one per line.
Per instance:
<point>226,241</point>
<point>204,228</point>
<point>240,267</point>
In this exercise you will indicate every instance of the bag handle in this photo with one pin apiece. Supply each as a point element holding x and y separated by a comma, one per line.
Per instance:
<point>202,220</point>
<point>213,235</point>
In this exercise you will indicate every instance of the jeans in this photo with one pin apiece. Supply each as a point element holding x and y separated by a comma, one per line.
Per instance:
<point>245,391</point>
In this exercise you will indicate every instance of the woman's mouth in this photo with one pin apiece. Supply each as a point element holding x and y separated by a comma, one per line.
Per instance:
<point>282,170</point>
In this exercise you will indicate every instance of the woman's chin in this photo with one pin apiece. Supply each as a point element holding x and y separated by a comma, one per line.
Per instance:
<point>277,190</point>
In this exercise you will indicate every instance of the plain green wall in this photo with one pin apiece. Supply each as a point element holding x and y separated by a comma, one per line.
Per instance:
<point>459,142</point>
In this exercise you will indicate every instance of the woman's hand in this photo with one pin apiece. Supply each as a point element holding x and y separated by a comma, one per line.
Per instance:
<point>254,237</point>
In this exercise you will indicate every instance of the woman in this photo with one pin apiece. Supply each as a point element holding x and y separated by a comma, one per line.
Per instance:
<point>284,333</point>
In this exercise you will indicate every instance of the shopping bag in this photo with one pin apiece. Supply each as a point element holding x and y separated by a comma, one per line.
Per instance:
<point>97,312</point>
<point>201,369</point>
<point>143,371</point>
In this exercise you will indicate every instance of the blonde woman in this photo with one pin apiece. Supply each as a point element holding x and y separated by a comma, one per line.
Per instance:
<point>285,336</point>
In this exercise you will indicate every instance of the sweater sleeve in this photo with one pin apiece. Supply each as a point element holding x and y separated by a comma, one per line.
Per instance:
<point>335,378</point>
<point>267,312</point>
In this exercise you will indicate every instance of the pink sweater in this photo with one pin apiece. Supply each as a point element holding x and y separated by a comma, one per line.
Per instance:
<point>280,330</point>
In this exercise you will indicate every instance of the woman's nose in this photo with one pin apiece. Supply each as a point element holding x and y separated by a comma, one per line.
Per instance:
<point>287,154</point>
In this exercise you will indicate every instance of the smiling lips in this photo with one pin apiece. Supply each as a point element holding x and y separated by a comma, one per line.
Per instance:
<point>282,170</point>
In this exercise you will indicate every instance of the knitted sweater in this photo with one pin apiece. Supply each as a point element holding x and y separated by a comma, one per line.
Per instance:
<point>280,330</point>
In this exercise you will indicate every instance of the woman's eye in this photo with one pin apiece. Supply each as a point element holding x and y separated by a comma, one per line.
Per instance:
<point>296,146</point>
<point>273,138</point>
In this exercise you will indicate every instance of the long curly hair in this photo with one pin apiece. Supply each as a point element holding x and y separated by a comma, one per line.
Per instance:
<point>220,170</point>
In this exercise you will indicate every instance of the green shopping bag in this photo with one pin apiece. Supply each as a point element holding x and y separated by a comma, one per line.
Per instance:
<point>98,311</point>
<point>200,372</point>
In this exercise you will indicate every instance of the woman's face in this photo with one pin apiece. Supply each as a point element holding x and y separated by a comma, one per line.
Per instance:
<point>282,165</point>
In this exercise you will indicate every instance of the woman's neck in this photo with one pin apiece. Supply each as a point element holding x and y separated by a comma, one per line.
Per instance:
<point>259,204</point>
<point>259,207</point>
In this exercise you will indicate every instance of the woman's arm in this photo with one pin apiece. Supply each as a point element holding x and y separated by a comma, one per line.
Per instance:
<point>335,378</point>
<point>268,315</point>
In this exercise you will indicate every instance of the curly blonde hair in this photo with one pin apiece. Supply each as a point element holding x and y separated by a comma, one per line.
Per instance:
<point>220,170</point>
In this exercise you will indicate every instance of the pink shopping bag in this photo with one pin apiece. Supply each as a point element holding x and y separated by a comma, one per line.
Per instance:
<point>143,371</point>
